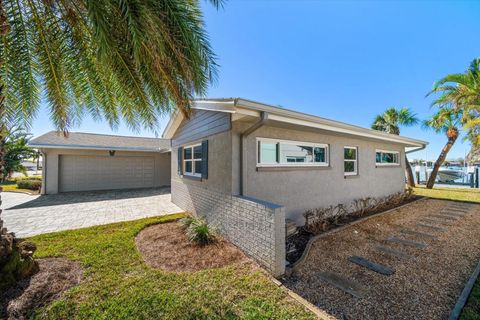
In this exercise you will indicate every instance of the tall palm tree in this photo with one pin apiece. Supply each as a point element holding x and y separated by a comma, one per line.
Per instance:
<point>130,60</point>
<point>390,122</point>
<point>461,91</point>
<point>447,120</point>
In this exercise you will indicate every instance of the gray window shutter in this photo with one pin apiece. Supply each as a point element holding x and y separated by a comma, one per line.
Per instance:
<point>179,160</point>
<point>205,159</point>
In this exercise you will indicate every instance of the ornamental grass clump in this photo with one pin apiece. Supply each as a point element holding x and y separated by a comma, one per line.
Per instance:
<point>200,232</point>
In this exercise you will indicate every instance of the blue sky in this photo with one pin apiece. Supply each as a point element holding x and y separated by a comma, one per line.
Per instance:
<point>344,60</point>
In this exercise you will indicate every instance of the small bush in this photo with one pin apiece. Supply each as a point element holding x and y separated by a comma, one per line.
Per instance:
<point>187,222</point>
<point>200,232</point>
<point>29,184</point>
<point>36,177</point>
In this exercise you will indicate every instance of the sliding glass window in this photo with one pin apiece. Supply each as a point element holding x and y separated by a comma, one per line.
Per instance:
<point>291,153</point>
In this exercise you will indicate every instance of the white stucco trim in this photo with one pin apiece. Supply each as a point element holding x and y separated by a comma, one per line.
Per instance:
<point>242,107</point>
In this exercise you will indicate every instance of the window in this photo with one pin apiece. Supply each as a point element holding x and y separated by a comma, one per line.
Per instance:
<point>387,158</point>
<point>350,163</point>
<point>291,153</point>
<point>192,160</point>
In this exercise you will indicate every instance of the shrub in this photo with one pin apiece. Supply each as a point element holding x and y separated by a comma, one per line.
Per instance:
<point>29,184</point>
<point>319,220</point>
<point>200,232</point>
<point>187,222</point>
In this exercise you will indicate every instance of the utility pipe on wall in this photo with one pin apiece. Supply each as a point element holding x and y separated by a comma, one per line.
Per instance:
<point>243,136</point>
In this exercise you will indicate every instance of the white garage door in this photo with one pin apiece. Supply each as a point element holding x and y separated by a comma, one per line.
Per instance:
<point>82,173</point>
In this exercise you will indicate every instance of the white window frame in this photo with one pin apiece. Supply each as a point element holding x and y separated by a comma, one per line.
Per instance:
<point>193,160</point>
<point>384,164</point>
<point>355,162</point>
<point>292,164</point>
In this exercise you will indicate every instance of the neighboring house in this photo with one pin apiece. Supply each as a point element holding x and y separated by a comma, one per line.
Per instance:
<point>85,161</point>
<point>246,166</point>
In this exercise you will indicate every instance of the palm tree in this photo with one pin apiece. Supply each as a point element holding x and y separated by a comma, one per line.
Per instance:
<point>447,120</point>
<point>390,122</point>
<point>130,60</point>
<point>461,91</point>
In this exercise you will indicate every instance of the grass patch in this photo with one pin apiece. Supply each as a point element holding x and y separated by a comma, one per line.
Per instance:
<point>119,285</point>
<point>11,186</point>
<point>472,308</point>
<point>457,194</point>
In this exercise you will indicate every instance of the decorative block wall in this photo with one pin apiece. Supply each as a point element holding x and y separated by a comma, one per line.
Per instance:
<point>255,226</point>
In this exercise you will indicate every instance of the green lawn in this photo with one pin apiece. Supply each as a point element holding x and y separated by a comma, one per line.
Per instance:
<point>472,309</point>
<point>11,186</point>
<point>458,194</point>
<point>119,285</point>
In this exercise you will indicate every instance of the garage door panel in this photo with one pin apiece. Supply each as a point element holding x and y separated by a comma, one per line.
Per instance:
<point>81,173</point>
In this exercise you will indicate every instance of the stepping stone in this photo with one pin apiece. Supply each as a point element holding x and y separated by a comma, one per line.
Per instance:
<point>376,267</point>
<point>428,226</point>
<point>393,252</point>
<point>343,283</point>
<point>416,233</point>
<point>408,242</point>
<point>443,217</point>
<point>442,222</point>
<point>453,213</point>
<point>457,210</point>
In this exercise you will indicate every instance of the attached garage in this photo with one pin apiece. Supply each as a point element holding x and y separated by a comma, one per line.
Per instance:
<point>88,162</point>
<point>81,173</point>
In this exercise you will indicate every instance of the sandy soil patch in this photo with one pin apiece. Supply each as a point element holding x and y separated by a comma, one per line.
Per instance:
<point>56,275</point>
<point>424,286</point>
<point>165,246</point>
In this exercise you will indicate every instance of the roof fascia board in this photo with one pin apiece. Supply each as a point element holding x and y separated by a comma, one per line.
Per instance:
<point>303,119</point>
<point>211,105</point>
<point>173,124</point>
<point>82,147</point>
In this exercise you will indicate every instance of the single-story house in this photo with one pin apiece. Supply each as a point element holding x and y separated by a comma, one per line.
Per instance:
<point>247,167</point>
<point>86,161</point>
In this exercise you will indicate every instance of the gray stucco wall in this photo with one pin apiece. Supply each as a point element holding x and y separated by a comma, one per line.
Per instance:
<point>299,189</point>
<point>52,156</point>
<point>256,227</point>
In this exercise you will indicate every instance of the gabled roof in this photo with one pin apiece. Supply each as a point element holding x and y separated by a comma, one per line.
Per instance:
<point>81,140</point>
<point>243,107</point>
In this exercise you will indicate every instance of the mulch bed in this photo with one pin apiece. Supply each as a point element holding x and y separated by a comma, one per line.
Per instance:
<point>424,286</point>
<point>165,246</point>
<point>56,275</point>
<point>299,240</point>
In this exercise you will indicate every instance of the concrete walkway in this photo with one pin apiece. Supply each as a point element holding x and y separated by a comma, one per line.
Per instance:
<point>28,215</point>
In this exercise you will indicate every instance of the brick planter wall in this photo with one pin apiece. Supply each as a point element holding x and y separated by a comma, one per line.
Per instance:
<point>255,226</point>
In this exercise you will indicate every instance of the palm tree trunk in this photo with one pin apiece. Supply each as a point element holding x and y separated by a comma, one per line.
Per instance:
<point>409,173</point>
<point>440,160</point>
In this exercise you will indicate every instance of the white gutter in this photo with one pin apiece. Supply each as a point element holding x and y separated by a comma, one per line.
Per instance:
<point>85,147</point>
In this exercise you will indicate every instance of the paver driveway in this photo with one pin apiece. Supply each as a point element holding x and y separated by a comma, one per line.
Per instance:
<point>28,215</point>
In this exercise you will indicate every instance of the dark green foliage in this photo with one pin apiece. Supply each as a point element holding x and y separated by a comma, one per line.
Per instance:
<point>29,184</point>
<point>200,232</point>
<point>16,151</point>
<point>187,222</point>
<point>131,60</point>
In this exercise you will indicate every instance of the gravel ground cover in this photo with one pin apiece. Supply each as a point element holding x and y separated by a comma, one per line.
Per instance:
<point>426,282</point>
